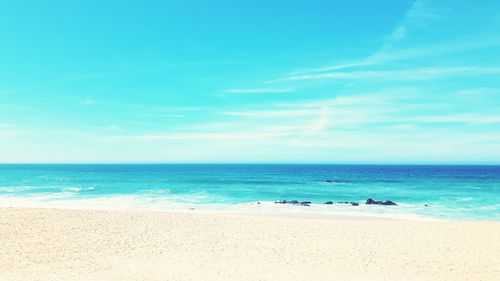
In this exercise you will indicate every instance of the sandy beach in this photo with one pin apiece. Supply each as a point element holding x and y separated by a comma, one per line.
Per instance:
<point>49,244</point>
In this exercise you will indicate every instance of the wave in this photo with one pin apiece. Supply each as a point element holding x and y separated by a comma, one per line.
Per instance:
<point>205,201</point>
<point>24,188</point>
<point>12,189</point>
<point>188,203</point>
<point>77,189</point>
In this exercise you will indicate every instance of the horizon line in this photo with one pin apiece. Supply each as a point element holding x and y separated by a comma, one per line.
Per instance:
<point>250,163</point>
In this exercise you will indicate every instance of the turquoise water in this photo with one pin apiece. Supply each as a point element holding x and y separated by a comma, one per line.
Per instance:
<point>451,192</point>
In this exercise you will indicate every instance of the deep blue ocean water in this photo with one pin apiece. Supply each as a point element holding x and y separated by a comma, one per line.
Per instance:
<point>451,192</point>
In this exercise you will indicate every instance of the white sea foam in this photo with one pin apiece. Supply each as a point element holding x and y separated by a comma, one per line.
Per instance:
<point>149,203</point>
<point>77,189</point>
<point>16,188</point>
<point>401,211</point>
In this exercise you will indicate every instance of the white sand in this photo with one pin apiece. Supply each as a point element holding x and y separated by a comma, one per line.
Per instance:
<point>46,244</point>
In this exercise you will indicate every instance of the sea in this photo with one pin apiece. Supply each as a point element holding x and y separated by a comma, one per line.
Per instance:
<point>438,192</point>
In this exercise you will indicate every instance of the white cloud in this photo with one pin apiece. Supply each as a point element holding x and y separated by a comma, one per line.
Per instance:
<point>225,136</point>
<point>421,19</point>
<point>6,125</point>
<point>386,54</point>
<point>260,91</point>
<point>286,113</point>
<point>464,118</point>
<point>421,10</point>
<point>398,33</point>
<point>163,115</point>
<point>89,101</point>
<point>406,74</point>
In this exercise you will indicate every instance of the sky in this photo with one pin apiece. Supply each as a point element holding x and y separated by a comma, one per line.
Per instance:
<point>381,82</point>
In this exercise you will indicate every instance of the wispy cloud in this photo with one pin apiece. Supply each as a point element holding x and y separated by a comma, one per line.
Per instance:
<point>421,12</point>
<point>422,17</point>
<point>261,91</point>
<point>405,74</point>
<point>386,109</point>
<point>198,62</point>
<point>272,113</point>
<point>11,106</point>
<point>398,34</point>
<point>7,133</point>
<point>473,118</point>
<point>6,125</point>
<point>163,115</point>
<point>89,101</point>
<point>387,55</point>
<point>227,136</point>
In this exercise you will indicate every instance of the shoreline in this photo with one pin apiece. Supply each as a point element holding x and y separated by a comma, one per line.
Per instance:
<point>290,214</point>
<point>55,244</point>
<point>133,202</point>
<point>260,208</point>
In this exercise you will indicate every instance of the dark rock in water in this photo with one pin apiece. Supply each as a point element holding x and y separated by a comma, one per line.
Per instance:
<point>328,203</point>
<point>337,181</point>
<point>370,201</point>
<point>388,203</point>
<point>351,203</point>
<point>426,205</point>
<point>258,202</point>
<point>293,202</point>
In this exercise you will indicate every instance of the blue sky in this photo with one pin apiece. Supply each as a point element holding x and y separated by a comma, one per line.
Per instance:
<point>250,81</point>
